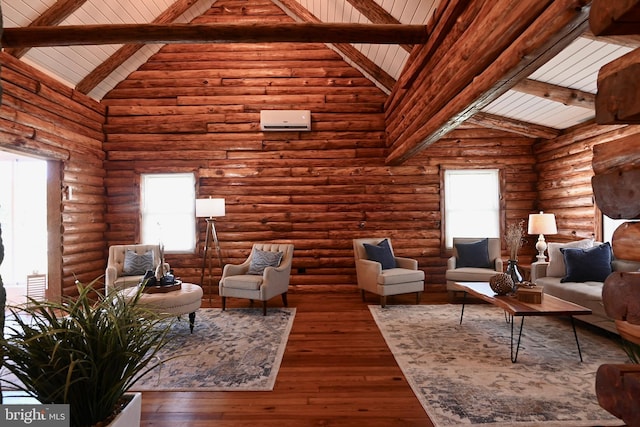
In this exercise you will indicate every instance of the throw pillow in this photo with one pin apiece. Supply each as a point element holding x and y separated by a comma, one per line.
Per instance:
<point>556,267</point>
<point>475,254</point>
<point>587,265</point>
<point>381,253</point>
<point>263,259</point>
<point>135,264</point>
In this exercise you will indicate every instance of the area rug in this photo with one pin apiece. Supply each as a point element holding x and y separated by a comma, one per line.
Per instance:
<point>463,375</point>
<point>233,350</point>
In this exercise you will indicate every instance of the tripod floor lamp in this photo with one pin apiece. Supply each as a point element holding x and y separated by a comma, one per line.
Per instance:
<point>209,209</point>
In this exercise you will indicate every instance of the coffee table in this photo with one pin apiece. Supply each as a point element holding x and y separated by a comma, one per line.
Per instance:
<point>550,306</point>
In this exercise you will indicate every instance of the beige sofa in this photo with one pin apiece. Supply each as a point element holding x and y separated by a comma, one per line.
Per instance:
<point>587,294</point>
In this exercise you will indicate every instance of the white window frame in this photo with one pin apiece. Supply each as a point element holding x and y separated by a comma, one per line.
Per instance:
<point>471,204</point>
<point>167,211</point>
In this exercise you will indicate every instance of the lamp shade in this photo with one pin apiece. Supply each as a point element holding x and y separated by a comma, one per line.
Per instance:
<point>542,223</point>
<point>209,207</point>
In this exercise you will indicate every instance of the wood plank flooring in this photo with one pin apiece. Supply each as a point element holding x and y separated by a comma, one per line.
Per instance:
<point>336,371</point>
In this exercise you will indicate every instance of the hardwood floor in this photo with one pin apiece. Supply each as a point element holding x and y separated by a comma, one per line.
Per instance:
<point>336,371</point>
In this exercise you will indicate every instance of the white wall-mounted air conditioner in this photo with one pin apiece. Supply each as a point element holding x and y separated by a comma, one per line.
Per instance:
<point>287,120</point>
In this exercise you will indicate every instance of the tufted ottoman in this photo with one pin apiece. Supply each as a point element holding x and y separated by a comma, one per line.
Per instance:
<point>185,300</point>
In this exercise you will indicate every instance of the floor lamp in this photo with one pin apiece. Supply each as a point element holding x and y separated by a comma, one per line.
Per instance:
<point>209,209</point>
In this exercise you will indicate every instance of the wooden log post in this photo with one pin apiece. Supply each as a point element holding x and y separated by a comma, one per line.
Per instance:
<point>619,17</point>
<point>617,388</point>
<point>617,99</point>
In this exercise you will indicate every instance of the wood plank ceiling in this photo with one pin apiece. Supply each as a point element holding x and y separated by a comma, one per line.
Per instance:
<point>558,95</point>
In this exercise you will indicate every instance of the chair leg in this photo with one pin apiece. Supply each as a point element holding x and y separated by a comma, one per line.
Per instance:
<point>224,303</point>
<point>418,296</point>
<point>264,308</point>
<point>362,293</point>
<point>383,301</point>
<point>284,300</point>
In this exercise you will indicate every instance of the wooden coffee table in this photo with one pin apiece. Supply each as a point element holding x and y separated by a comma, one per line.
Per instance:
<point>550,306</point>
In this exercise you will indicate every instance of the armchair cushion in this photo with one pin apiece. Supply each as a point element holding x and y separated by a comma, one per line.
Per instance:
<point>587,265</point>
<point>263,259</point>
<point>381,253</point>
<point>475,254</point>
<point>135,264</point>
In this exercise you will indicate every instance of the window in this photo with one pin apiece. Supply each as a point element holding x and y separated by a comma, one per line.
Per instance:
<point>471,203</point>
<point>168,211</point>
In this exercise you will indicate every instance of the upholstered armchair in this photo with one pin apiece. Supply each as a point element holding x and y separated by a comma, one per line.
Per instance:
<point>127,265</point>
<point>262,276</point>
<point>379,271</point>
<point>473,260</point>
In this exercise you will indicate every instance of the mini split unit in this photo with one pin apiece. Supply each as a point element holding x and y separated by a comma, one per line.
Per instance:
<point>285,120</point>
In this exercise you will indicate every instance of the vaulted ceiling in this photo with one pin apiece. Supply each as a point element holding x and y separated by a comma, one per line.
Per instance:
<point>558,95</point>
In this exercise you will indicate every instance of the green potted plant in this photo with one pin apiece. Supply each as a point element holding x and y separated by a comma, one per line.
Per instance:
<point>85,351</point>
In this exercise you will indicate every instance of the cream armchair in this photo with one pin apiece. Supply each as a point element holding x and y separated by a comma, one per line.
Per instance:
<point>264,275</point>
<point>402,278</point>
<point>479,261</point>
<point>115,276</point>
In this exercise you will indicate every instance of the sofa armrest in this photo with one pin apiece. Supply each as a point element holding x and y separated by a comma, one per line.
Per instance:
<point>538,270</point>
<point>451,263</point>
<point>408,263</point>
<point>498,265</point>
<point>110,276</point>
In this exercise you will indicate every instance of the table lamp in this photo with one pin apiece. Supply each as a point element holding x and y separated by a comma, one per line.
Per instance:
<point>541,224</point>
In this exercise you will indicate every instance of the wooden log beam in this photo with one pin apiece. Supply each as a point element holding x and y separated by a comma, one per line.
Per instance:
<point>470,89</point>
<point>617,193</point>
<point>617,100</point>
<point>625,242</point>
<point>609,17</point>
<point>377,15</point>
<point>619,154</point>
<point>73,35</point>
<point>563,95</point>
<point>98,74</point>
<point>621,296</point>
<point>530,130</point>
<point>617,389</point>
<point>57,13</point>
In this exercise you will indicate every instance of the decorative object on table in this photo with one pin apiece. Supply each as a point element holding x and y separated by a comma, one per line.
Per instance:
<point>69,352</point>
<point>528,292</point>
<point>210,209</point>
<point>514,241</point>
<point>477,385</point>
<point>501,284</point>
<point>541,224</point>
<point>234,350</point>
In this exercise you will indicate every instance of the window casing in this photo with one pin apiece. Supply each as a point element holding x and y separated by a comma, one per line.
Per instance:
<point>471,203</point>
<point>168,211</point>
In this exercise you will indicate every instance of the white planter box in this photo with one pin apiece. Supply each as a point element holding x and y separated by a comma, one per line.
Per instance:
<point>130,415</point>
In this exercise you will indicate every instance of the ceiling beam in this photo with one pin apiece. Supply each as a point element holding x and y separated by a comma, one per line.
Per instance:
<point>609,17</point>
<point>631,40</point>
<point>377,15</point>
<point>519,127</point>
<point>349,52</point>
<point>74,35</point>
<point>564,95</point>
<point>57,13</point>
<point>98,74</point>
<point>552,27</point>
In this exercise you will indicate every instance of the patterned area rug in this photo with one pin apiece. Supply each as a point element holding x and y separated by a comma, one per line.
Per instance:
<point>232,350</point>
<point>463,375</point>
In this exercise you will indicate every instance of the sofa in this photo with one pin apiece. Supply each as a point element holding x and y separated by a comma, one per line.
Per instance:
<point>576,272</point>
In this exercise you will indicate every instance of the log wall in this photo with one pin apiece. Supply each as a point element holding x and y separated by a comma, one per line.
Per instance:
<point>196,108</point>
<point>43,118</point>
<point>564,165</point>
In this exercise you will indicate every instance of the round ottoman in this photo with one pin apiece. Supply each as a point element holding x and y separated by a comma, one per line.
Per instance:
<point>185,300</point>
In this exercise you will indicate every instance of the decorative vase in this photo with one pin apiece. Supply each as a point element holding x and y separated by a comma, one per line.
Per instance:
<point>512,271</point>
<point>501,283</point>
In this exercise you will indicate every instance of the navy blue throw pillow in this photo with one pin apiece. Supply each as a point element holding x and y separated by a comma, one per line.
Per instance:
<point>587,265</point>
<point>381,253</point>
<point>475,254</point>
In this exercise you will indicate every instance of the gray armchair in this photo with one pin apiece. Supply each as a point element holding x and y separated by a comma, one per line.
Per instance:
<point>116,274</point>
<point>264,275</point>
<point>403,278</point>
<point>472,271</point>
